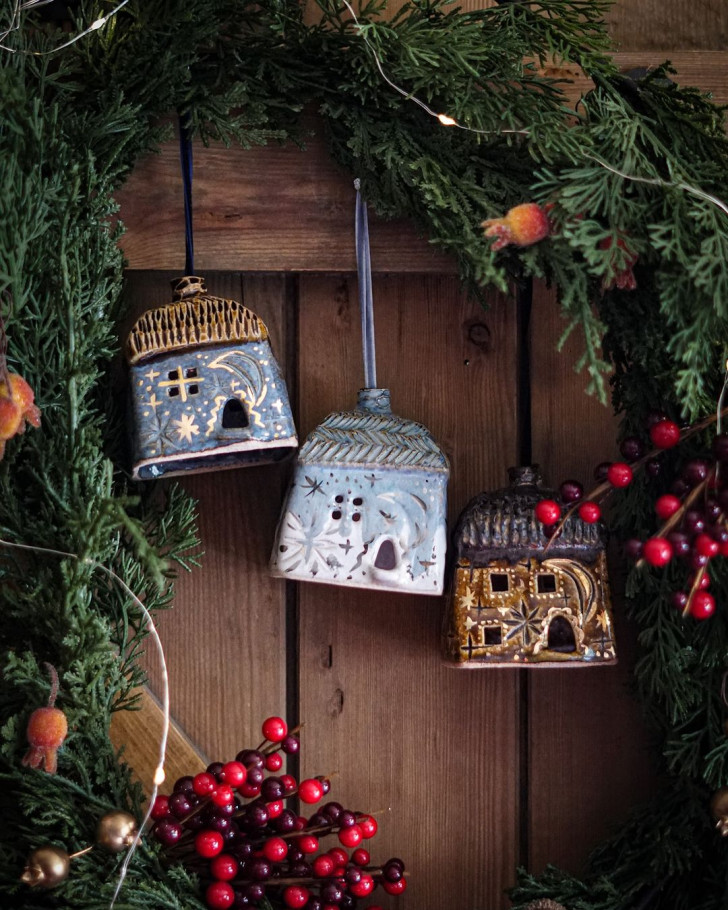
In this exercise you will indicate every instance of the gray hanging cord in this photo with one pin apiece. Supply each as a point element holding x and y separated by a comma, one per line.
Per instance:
<point>366,303</point>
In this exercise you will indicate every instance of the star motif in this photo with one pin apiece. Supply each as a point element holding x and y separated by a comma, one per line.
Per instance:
<point>154,401</point>
<point>313,486</point>
<point>469,623</point>
<point>603,621</point>
<point>186,427</point>
<point>469,600</point>
<point>278,405</point>
<point>372,478</point>
<point>347,546</point>
<point>152,374</point>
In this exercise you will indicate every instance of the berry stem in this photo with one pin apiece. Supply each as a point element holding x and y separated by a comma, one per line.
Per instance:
<point>695,586</point>
<point>54,683</point>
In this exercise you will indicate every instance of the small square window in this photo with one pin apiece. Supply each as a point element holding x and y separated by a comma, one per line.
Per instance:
<point>546,584</point>
<point>492,635</point>
<point>173,374</point>
<point>173,391</point>
<point>194,388</point>
<point>498,582</point>
<point>191,373</point>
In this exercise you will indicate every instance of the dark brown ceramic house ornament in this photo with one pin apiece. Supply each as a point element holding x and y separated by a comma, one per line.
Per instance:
<point>520,599</point>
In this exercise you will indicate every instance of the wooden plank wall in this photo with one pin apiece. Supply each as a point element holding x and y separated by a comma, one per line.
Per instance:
<point>473,772</point>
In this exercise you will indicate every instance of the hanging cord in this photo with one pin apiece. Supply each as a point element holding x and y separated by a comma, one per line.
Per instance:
<point>185,158</point>
<point>366,304</point>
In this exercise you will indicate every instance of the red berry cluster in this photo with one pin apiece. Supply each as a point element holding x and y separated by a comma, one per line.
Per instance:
<point>230,825</point>
<point>693,516</point>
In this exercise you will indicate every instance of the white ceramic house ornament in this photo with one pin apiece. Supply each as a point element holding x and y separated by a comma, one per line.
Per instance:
<point>367,503</point>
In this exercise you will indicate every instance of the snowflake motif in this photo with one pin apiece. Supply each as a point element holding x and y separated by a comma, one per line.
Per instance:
<point>305,543</point>
<point>523,620</point>
<point>186,427</point>
<point>312,485</point>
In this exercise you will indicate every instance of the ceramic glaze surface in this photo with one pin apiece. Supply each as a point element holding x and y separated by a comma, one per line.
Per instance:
<point>518,597</point>
<point>207,392</point>
<point>367,503</point>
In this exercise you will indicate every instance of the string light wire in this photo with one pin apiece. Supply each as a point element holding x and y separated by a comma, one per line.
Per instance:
<point>159,774</point>
<point>27,4</point>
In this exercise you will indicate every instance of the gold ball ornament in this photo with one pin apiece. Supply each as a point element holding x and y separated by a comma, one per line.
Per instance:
<point>46,867</point>
<point>116,831</point>
<point>719,810</point>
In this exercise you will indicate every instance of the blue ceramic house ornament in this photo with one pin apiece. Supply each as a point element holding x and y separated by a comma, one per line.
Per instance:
<point>206,390</point>
<point>367,503</point>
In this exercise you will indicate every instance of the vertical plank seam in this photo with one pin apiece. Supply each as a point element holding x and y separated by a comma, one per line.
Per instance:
<point>524,303</point>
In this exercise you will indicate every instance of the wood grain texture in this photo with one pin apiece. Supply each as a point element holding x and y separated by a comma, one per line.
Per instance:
<point>589,758</point>
<point>225,636</point>
<point>139,733</point>
<point>434,748</point>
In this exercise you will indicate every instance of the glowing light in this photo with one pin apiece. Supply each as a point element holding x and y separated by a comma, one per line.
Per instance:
<point>159,776</point>
<point>446,120</point>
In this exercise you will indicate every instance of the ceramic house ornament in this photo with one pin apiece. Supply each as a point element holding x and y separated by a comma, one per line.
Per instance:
<point>518,598</point>
<point>206,390</point>
<point>367,503</point>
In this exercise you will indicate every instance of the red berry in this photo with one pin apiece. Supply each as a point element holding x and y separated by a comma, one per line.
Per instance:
<point>203,784</point>
<point>275,729</point>
<point>219,895</point>
<point>248,790</point>
<point>275,808</point>
<point>310,790</point>
<point>301,823</point>
<point>395,887</point>
<point>548,512</point>
<point>702,605</point>
<point>222,795</point>
<point>233,773</point>
<point>706,546</point>
<point>590,512</point>
<point>339,856</point>
<point>368,826</point>
<point>224,867</point>
<point>274,762</point>
<point>275,849</point>
<point>701,581</point>
<point>657,551</point>
<point>307,843</point>
<point>360,857</point>
<point>666,506</point>
<point>665,434</point>
<point>289,783</point>
<point>363,887</point>
<point>323,866</point>
<point>351,836</point>
<point>296,896</point>
<point>160,809</point>
<point>209,843</point>
<point>619,474</point>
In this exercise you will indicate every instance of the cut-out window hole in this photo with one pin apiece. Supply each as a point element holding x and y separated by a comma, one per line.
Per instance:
<point>546,584</point>
<point>339,498</point>
<point>386,556</point>
<point>492,635</point>
<point>173,391</point>
<point>194,388</point>
<point>498,582</point>
<point>356,517</point>
<point>561,636</point>
<point>191,373</point>
<point>234,416</point>
<point>358,501</point>
<point>173,374</point>
<point>336,514</point>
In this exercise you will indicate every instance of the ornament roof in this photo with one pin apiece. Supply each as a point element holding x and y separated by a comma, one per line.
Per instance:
<point>193,319</point>
<point>504,520</point>
<point>366,439</point>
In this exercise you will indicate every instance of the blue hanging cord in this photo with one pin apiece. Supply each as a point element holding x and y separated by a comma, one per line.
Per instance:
<point>185,157</point>
<point>366,303</point>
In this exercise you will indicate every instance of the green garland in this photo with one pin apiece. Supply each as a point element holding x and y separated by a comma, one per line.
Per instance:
<point>73,124</point>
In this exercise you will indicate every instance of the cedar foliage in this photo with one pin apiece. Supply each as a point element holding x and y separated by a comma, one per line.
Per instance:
<point>73,124</point>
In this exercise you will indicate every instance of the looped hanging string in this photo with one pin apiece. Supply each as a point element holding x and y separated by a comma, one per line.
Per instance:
<point>366,303</point>
<point>185,158</point>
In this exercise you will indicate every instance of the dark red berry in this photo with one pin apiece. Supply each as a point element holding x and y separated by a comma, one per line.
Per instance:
<point>665,434</point>
<point>290,744</point>
<point>632,448</point>
<point>679,600</point>
<point>633,549</point>
<point>619,474</point>
<point>259,869</point>
<point>360,856</point>
<point>167,832</point>
<point>657,551</point>
<point>695,471</point>
<point>160,809</point>
<point>600,471</point>
<point>571,491</point>
<point>720,447</point>
<point>653,467</point>
<point>680,543</point>
<point>693,522</point>
<point>203,783</point>
<point>654,416</point>
<point>251,758</point>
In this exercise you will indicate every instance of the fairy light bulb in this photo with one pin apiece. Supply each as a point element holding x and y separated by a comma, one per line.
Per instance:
<point>159,776</point>
<point>446,120</point>
<point>95,26</point>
